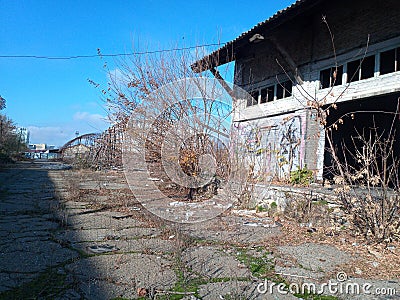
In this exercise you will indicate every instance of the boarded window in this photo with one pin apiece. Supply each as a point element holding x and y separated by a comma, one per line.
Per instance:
<point>284,89</point>
<point>267,94</point>
<point>331,77</point>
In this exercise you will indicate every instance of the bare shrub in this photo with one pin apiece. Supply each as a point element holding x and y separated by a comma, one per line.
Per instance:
<point>164,118</point>
<point>308,208</point>
<point>369,191</point>
<point>366,173</point>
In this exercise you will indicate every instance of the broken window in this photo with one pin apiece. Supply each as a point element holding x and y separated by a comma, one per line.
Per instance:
<point>361,68</point>
<point>368,67</point>
<point>267,94</point>
<point>398,59</point>
<point>284,89</point>
<point>353,71</point>
<point>288,88</point>
<point>331,77</point>
<point>389,61</point>
<point>254,98</point>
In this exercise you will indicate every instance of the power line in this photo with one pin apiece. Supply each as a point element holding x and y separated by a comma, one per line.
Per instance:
<point>109,55</point>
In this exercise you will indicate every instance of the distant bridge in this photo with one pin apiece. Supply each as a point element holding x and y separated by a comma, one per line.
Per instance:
<point>87,140</point>
<point>96,149</point>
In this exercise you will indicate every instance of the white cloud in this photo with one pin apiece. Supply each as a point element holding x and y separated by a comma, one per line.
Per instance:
<point>88,117</point>
<point>116,75</point>
<point>49,135</point>
<point>83,122</point>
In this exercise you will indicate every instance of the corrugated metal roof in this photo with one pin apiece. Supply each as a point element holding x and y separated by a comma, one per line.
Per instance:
<point>208,60</point>
<point>274,16</point>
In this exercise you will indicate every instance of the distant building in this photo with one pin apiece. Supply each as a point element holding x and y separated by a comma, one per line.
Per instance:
<point>42,151</point>
<point>23,134</point>
<point>39,147</point>
<point>75,151</point>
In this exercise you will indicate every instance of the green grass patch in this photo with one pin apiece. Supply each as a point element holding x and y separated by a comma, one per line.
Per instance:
<point>321,202</point>
<point>261,267</point>
<point>183,286</point>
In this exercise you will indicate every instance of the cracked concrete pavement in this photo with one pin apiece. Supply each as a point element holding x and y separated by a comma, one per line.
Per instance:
<point>70,234</point>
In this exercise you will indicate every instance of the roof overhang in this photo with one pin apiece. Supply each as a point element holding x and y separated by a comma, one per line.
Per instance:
<point>227,53</point>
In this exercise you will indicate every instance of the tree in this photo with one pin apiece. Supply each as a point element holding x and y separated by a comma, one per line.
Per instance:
<point>2,103</point>
<point>10,140</point>
<point>178,123</point>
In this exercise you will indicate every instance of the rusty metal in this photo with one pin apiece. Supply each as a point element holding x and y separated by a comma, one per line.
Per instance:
<point>96,150</point>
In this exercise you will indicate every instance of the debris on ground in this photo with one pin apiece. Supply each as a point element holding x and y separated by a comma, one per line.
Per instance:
<point>97,249</point>
<point>56,166</point>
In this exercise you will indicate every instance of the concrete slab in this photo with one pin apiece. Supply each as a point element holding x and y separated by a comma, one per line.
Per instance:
<point>33,256</point>
<point>213,263</point>
<point>128,270</point>
<point>239,290</point>
<point>102,234</point>
<point>153,245</point>
<point>316,257</point>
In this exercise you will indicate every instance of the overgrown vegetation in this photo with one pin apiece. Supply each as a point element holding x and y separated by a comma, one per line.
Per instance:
<point>10,140</point>
<point>369,190</point>
<point>366,173</point>
<point>178,118</point>
<point>309,209</point>
<point>302,176</point>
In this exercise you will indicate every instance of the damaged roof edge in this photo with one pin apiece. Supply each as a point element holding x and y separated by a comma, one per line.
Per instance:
<point>226,53</point>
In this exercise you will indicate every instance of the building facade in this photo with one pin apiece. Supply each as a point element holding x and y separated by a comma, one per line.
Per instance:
<point>344,55</point>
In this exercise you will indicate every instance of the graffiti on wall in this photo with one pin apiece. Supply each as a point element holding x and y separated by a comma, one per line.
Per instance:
<point>274,146</point>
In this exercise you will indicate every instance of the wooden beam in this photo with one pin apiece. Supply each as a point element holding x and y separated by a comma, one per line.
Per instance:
<point>286,56</point>
<point>227,88</point>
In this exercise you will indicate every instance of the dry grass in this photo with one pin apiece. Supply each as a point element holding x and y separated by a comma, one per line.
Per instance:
<point>364,255</point>
<point>293,232</point>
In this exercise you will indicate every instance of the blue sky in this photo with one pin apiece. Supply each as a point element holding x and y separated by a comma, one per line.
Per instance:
<point>53,98</point>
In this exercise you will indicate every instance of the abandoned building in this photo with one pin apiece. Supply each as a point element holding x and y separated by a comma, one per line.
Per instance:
<point>342,52</point>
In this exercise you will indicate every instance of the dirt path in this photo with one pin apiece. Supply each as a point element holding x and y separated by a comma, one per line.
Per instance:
<point>67,234</point>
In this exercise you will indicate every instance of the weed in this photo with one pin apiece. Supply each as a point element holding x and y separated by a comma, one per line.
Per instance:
<point>260,267</point>
<point>260,208</point>
<point>302,176</point>
<point>321,202</point>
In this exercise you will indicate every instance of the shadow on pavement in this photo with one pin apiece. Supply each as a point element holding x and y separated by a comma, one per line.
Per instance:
<point>33,262</point>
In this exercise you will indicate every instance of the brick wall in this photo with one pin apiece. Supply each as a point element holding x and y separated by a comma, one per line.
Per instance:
<point>306,38</point>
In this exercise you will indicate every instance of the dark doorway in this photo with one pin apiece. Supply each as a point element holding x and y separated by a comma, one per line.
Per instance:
<point>361,117</point>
